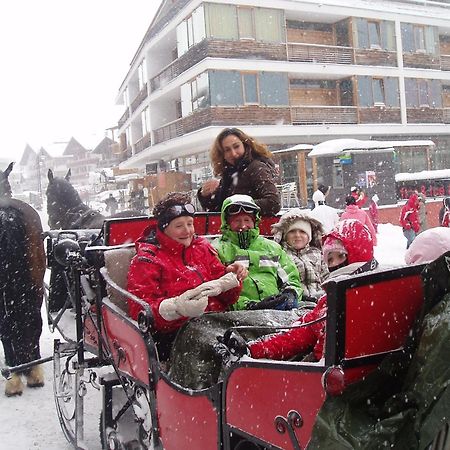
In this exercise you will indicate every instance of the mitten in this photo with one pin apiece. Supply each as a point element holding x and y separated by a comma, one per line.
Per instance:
<point>216,287</point>
<point>176,307</point>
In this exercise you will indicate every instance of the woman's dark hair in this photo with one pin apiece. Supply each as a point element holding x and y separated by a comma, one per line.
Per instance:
<point>252,146</point>
<point>324,189</point>
<point>350,200</point>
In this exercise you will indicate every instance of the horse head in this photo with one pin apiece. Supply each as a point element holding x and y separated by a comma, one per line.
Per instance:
<point>62,201</point>
<point>5,187</point>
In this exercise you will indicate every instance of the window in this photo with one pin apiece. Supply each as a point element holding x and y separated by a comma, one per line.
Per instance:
<point>195,94</point>
<point>422,90</point>
<point>378,91</point>
<point>423,93</point>
<point>250,88</point>
<point>246,25</point>
<point>338,176</point>
<point>419,38</point>
<point>145,120</point>
<point>142,74</point>
<point>191,31</point>
<point>374,34</point>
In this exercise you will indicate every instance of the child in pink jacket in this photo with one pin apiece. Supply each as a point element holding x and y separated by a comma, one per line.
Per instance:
<point>355,212</point>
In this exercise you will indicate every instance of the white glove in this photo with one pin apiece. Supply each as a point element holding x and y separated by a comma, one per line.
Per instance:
<point>176,307</point>
<point>215,287</point>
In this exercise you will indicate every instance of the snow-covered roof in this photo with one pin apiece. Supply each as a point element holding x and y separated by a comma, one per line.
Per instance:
<point>337,146</point>
<point>424,175</point>
<point>295,147</point>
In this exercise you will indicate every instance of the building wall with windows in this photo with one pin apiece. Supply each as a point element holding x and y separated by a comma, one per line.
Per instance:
<point>316,71</point>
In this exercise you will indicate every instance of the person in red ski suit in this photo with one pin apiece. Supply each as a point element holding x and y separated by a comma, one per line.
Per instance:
<point>348,249</point>
<point>409,219</point>
<point>177,273</point>
<point>446,214</point>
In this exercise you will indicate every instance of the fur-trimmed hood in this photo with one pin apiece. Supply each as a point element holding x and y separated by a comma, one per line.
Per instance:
<point>288,218</point>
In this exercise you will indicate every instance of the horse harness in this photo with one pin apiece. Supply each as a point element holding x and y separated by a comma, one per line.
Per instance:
<point>78,214</point>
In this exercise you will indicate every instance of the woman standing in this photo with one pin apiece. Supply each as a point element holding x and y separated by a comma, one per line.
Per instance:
<point>244,167</point>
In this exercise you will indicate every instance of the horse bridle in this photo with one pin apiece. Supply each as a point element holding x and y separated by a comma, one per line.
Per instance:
<point>79,215</point>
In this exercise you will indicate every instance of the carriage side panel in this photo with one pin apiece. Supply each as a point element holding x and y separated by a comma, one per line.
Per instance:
<point>187,420</point>
<point>261,398</point>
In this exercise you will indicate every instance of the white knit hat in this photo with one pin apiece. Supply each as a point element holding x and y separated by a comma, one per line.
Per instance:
<point>302,225</point>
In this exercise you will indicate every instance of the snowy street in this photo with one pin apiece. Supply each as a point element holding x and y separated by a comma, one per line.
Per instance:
<point>30,421</point>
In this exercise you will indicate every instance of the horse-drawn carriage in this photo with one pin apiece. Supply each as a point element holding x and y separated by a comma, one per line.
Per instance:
<point>259,404</point>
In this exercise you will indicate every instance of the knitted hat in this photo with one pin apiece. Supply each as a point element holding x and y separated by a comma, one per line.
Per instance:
<point>302,225</point>
<point>171,206</point>
<point>332,244</point>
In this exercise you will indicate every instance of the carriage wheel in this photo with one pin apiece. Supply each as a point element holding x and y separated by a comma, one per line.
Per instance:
<point>127,425</point>
<point>68,391</point>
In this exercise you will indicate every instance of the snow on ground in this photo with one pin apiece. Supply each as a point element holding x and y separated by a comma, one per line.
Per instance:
<point>30,422</point>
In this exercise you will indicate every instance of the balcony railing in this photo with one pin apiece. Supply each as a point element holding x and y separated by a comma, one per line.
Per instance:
<point>324,114</point>
<point>445,62</point>
<point>170,131</point>
<point>142,95</point>
<point>446,115</point>
<point>143,143</point>
<point>317,53</point>
<point>124,117</point>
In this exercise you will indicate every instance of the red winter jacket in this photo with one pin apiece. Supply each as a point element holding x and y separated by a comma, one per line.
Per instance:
<point>359,245</point>
<point>409,215</point>
<point>164,268</point>
<point>355,212</point>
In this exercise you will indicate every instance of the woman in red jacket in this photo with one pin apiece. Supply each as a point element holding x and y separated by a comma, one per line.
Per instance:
<point>177,273</point>
<point>348,249</point>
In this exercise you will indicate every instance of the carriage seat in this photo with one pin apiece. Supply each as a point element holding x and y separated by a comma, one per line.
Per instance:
<point>117,263</point>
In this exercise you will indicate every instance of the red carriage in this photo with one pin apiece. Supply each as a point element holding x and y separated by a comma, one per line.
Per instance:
<point>259,404</point>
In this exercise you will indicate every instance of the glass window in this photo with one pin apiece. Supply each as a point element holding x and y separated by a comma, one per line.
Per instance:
<point>246,23</point>
<point>221,21</point>
<point>387,30</point>
<point>378,91</point>
<point>407,37</point>
<point>250,85</point>
<point>190,31</point>
<point>419,38</point>
<point>200,91</point>
<point>269,25</point>
<point>186,103</point>
<point>198,25</point>
<point>142,74</point>
<point>361,33</point>
<point>338,176</point>
<point>412,98</point>
<point>145,120</point>
<point>391,91</point>
<point>422,90</point>
<point>374,34</point>
<point>225,88</point>
<point>273,88</point>
<point>365,91</point>
<point>182,39</point>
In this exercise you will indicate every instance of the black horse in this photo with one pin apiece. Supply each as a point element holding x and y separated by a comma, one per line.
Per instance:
<point>22,268</point>
<point>67,211</point>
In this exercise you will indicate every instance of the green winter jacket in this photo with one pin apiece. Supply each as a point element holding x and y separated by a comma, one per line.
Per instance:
<point>269,267</point>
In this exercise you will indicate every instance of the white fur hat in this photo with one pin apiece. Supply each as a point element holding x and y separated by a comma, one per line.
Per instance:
<point>302,225</point>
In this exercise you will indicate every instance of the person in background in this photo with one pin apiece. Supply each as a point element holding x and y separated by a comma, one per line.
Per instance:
<point>348,250</point>
<point>373,211</point>
<point>428,246</point>
<point>244,166</point>
<point>354,212</point>
<point>442,212</point>
<point>273,281</point>
<point>178,273</point>
<point>446,215</point>
<point>409,219</point>
<point>359,196</point>
<point>111,204</point>
<point>300,235</point>
<point>319,196</point>
<point>422,212</point>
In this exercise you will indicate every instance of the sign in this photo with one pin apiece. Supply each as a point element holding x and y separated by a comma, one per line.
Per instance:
<point>371,178</point>
<point>345,158</point>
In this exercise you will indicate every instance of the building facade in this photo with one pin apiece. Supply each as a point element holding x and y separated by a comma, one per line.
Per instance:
<point>297,72</point>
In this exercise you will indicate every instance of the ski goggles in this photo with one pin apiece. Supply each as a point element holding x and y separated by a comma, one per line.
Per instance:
<point>173,212</point>
<point>239,208</point>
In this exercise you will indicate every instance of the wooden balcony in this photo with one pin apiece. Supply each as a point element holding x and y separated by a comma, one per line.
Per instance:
<point>142,95</point>
<point>445,62</point>
<point>318,53</point>
<point>425,114</point>
<point>124,117</point>
<point>302,115</point>
<point>143,143</point>
<point>446,115</point>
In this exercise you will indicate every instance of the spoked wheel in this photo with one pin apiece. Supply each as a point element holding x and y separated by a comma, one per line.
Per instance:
<point>68,390</point>
<point>125,423</point>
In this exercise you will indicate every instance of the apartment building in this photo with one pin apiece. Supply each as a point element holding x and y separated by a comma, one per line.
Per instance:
<point>288,72</point>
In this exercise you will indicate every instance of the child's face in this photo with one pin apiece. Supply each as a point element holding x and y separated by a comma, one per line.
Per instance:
<point>297,239</point>
<point>241,222</point>
<point>335,259</point>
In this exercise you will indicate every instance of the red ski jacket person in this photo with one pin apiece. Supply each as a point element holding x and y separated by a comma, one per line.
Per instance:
<point>353,240</point>
<point>164,268</point>
<point>409,215</point>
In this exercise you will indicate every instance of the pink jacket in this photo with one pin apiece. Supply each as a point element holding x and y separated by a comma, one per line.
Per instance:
<point>354,212</point>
